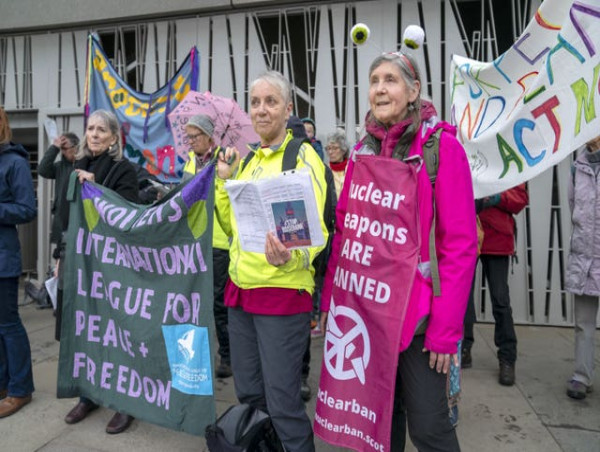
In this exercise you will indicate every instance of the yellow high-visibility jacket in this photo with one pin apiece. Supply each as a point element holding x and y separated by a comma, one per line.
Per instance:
<point>250,270</point>
<point>220,239</point>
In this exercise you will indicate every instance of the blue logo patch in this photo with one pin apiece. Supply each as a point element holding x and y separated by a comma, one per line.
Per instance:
<point>190,359</point>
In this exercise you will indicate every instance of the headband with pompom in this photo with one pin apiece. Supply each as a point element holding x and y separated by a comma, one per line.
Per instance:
<point>413,37</point>
<point>360,33</point>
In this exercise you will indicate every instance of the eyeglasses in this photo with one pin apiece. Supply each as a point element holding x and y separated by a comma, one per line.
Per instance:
<point>332,147</point>
<point>194,137</point>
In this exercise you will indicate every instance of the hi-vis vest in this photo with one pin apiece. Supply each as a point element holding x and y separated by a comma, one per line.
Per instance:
<point>220,239</point>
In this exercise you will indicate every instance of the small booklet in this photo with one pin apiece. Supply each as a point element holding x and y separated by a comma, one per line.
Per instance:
<point>284,204</point>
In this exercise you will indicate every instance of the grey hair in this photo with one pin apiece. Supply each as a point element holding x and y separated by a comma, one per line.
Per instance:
<point>73,139</point>
<point>339,137</point>
<point>410,72</point>
<point>110,120</point>
<point>277,80</point>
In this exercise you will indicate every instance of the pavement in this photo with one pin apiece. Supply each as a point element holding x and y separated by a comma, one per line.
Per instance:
<point>533,415</point>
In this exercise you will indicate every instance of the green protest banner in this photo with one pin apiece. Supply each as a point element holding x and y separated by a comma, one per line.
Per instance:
<point>137,322</point>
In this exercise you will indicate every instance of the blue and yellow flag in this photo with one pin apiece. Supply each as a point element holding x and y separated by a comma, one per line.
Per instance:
<point>143,117</point>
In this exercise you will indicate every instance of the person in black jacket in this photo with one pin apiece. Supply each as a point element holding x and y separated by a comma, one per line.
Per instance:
<point>59,170</point>
<point>100,159</point>
<point>17,206</point>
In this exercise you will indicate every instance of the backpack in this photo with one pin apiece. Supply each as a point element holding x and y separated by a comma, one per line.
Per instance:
<point>290,158</point>
<point>243,428</point>
<point>431,155</point>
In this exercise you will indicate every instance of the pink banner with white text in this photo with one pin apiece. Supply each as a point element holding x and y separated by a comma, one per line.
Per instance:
<point>371,288</point>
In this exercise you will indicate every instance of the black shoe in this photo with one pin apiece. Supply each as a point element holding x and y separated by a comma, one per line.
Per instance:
<point>466,361</point>
<point>224,371</point>
<point>507,374</point>
<point>305,391</point>
<point>118,423</point>
<point>79,412</point>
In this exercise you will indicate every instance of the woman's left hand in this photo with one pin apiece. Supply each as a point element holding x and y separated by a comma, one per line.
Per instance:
<point>84,175</point>
<point>275,251</point>
<point>440,362</point>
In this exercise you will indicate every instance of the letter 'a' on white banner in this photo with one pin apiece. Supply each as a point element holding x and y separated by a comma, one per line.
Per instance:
<point>536,103</point>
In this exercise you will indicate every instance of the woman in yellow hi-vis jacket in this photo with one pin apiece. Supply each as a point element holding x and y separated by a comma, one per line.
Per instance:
<point>269,294</point>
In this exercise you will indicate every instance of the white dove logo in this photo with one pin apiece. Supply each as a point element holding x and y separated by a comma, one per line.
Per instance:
<point>340,346</point>
<point>185,345</point>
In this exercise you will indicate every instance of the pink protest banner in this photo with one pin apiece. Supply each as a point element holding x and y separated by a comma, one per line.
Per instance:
<point>371,289</point>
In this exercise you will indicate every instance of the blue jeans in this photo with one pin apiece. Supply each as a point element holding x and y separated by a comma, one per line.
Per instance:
<point>15,355</point>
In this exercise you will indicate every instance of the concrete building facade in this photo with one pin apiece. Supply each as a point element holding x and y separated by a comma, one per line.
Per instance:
<point>42,74</point>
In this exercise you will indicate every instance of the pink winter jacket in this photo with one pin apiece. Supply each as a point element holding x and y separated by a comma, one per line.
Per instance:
<point>456,244</point>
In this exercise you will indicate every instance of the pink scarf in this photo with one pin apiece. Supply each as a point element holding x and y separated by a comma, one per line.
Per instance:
<point>389,137</point>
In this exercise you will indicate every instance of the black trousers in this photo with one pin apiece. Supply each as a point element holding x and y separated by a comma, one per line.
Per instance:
<point>470,319</point>
<point>422,402</point>
<point>495,270</point>
<point>220,274</point>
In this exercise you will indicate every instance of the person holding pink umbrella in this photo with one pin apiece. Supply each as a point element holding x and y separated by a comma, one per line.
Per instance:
<point>199,130</point>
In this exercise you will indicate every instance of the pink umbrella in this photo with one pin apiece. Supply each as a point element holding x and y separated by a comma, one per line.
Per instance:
<point>233,127</point>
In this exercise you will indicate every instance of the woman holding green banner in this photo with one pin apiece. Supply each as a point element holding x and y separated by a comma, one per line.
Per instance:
<point>100,159</point>
<point>411,332</point>
<point>269,294</point>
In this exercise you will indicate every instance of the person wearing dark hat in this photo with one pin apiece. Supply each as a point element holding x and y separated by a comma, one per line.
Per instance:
<point>311,132</point>
<point>296,125</point>
<point>199,130</point>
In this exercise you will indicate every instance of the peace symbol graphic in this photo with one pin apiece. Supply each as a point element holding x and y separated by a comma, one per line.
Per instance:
<point>341,345</point>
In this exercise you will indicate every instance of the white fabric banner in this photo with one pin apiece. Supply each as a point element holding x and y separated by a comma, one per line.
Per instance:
<point>531,107</point>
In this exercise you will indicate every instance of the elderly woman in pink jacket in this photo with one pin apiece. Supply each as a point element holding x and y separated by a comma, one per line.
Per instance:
<point>389,163</point>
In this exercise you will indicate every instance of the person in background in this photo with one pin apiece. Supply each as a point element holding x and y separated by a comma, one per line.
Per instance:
<point>59,169</point>
<point>583,267</point>
<point>466,361</point>
<point>496,216</point>
<point>338,151</point>
<point>199,130</point>
<point>398,125</point>
<point>17,206</point>
<point>311,133</point>
<point>269,294</point>
<point>99,159</point>
<point>296,125</point>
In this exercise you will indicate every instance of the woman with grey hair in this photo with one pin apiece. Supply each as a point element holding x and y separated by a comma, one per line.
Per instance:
<point>392,157</point>
<point>99,159</point>
<point>337,150</point>
<point>269,294</point>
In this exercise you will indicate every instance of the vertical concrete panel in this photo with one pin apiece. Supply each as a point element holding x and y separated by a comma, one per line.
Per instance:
<point>222,76</point>
<point>45,69</point>
<point>13,78</point>
<point>187,36</point>
<point>69,88</point>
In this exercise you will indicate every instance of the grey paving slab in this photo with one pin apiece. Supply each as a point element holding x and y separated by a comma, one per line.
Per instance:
<point>534,415</point>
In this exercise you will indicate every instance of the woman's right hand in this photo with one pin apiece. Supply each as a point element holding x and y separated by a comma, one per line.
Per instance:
<point>227,162</point>
<point>83,176</point>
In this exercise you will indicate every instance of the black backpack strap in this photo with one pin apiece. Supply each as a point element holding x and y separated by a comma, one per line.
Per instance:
<point>431,155</point>
<point>246,160</point>
<point>290,154</point>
